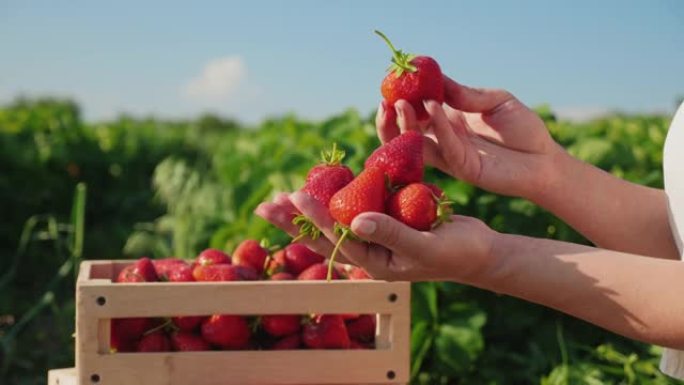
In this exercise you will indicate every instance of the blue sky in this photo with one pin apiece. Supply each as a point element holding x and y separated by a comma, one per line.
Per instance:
<point>255,59</point>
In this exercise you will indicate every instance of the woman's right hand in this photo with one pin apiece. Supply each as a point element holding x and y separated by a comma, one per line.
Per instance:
<point>485,137</point>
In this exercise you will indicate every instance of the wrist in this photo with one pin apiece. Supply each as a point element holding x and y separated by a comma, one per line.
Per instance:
<point>555,177</point>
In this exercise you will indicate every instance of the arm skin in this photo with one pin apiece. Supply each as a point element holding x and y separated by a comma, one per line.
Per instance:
<point>631,295</point>
<point>614,214</point>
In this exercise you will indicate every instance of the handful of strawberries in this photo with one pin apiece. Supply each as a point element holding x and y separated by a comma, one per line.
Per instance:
<point>250,261</point>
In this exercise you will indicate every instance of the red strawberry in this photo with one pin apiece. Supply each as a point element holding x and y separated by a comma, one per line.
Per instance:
<point>249,253</point>
<point>358,345</point>
<point>181,273</point>
<point>224,273</point>
<point>281,325</point>
<point>119,345</point>
<point>322,182</point>
<point>326,332</point>
<point>416,206</point>
<point>212,257</point>
<point>367,192</point>
<point>358,273</point>
<point>362,328</point>
<point>140,271</point>
<point>282,276</point>
<point>317,272</point>
<point>298,257</point>
<point>276,263</point>
<point>188,323</point>
<point>288,343</point>
<point>129,329</point>
<point>412,78</point>
<point>226,331</point>
<point>401,158</point>
<point>154,342</point>
<point>188,342</point>
<point>325,179</point>
<point>439,194</point>
<point>163,266</point>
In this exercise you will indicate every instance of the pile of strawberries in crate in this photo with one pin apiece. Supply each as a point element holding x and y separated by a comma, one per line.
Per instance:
<point>249,261</point>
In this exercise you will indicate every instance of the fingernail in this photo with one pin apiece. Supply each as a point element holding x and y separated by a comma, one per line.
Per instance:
<point>400,112</point>
<point>381,108</point>
<point>364,226</point>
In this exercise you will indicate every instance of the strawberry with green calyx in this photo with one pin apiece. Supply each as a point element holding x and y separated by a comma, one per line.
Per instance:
<point>322,182</point>
<point>366,193</point>
<point>412,78</point>
<point>401,159</point>
<point>420,206</point>
<point>250,253</point>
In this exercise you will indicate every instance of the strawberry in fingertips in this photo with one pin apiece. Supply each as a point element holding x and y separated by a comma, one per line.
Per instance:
<point>412,78</point>
<point>366,193</point>
<point>417,206</point>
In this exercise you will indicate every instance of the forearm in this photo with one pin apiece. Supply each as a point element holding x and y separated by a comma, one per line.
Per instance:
<point>612,213</point>
<point>630,295</point>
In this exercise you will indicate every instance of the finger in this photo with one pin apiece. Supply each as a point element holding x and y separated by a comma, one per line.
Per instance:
<point>406,116</point>
<point>386,122</point>
<point>470,99</point>
<point>386,231</point>
<point>458,154</point>
<point>282,218</point>
<point>321,218</point>
<point>283,199</point>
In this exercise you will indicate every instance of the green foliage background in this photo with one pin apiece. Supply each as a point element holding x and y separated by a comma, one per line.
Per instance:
<point>163,188</point>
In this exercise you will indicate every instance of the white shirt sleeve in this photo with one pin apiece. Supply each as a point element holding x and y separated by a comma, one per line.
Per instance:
<point>672,361</point>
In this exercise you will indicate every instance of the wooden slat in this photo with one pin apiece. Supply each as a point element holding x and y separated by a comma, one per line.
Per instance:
<point>258,297</point>
<point>252,367</point>
<point>62,377</point>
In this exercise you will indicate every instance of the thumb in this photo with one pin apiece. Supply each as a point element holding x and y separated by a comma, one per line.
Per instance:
<point>388,232</point>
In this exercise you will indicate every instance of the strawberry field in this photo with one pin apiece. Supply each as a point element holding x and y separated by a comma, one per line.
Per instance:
<point>73,190</point>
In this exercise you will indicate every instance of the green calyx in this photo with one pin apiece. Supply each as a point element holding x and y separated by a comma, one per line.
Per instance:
<point>306,228</point>
<point>401,62</point>
<point>444,210</point>
<point>332,157</point>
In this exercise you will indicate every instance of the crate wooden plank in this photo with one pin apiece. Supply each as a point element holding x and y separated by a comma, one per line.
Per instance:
<point>65,376</point>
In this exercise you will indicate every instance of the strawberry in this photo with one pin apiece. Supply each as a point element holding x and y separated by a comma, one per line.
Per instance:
<point>187,323</point>
<point>362,329</point>
<point>322,182</point>
<point>288,343</point>
<point>297,257</point>
<point>282,276</point>
<point>358,345</point>
<point>356,273</point>
<point>154,342</point>
<point>130,329</point>
<point>213,257</point>
<point>163,266</point>
<point>417,206</point>
<point>325,179</point>
<point>281,325</point>
<point>276,264</point>
<point>401,158</point>
<point>224,273</point>
<point>141,270</point>
<point>367,192</point>
<point>412,78</point>
<point>226,331</point>
<point>316,272</point>
<point>249,253</point>
<point>188,342</point>
<point>180,273</point>
<point>326,332</point>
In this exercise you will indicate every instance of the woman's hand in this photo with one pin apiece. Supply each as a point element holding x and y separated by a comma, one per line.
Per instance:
<point>458,250</point>
<point>484,137</point>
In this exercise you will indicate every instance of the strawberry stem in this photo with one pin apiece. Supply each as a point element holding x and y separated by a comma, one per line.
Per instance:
<point>332,157</point>
<point>166,323</point>
<point>306,228</point>
<point>401,61</point>
<point>331,263</point>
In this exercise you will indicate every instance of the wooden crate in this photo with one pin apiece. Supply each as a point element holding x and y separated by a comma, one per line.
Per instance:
<point>98,300</point>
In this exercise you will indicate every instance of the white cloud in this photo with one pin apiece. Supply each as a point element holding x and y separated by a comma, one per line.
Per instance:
<point>580,113</point>
<point>219,80</point>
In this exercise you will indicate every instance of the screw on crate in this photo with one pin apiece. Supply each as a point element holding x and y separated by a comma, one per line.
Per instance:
<point>101,301</point>
<point>95,378</point>
<point>391,374</point>
<point>392,297</point>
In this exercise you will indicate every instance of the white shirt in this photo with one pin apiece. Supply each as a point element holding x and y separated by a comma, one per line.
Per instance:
<point>672,362</point>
